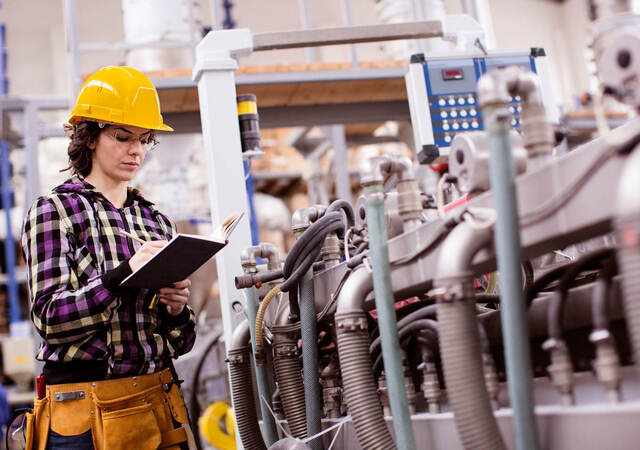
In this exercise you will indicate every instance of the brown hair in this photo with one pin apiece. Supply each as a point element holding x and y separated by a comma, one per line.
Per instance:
<point>83,135</point>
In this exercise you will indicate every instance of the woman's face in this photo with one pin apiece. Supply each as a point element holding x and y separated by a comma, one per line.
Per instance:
<point>119,152</point>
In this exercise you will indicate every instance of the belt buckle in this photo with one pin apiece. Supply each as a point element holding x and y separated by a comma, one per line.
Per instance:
<point>68,396</point>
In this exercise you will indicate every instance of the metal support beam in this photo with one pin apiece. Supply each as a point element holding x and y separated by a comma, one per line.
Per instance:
<point>31,140</point>
<point>71,35</point>
<point>346,35</point>
<point>340,165</point>
<point>346,13</point>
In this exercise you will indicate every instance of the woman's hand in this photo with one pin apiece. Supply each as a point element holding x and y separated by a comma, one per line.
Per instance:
<point>145,253</point>
<point>175,297</point>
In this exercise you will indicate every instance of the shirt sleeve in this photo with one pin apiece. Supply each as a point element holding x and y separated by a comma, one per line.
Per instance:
<point>63,309</point>
<point>181,329</point>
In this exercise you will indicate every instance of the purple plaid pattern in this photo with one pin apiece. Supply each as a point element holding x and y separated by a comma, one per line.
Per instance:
<point>70,238</point>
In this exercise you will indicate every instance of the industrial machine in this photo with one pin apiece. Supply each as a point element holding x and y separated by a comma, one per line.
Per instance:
<point>472,329</point>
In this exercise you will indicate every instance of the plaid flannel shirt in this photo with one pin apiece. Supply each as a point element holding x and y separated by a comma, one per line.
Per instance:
<point>70,239</point>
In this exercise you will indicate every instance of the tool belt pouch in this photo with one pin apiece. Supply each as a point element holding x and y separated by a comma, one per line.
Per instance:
<point>131,421</point>
<point>37,425</point>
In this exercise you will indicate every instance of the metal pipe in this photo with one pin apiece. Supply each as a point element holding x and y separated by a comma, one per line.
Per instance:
<point>391,351</point>
<point>496,88</point>
<point>507,242</point>
<point>264,389</point>
<point>312,393</point>
<point>263,250</point>
<point>460,340</point>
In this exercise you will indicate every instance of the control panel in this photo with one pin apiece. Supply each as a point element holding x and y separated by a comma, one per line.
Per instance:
<point>443,101</point>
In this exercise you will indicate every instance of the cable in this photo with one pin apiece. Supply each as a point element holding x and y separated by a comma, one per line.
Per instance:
<point>194,405</point>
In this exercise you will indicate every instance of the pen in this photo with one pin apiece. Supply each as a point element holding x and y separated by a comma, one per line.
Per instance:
<point>132,236</point>
<point>136,238</point>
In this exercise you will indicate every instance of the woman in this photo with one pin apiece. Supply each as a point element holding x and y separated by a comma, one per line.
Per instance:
<point>107,350</point>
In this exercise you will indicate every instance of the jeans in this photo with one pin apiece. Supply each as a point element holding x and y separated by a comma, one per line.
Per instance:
<point>82,441</point>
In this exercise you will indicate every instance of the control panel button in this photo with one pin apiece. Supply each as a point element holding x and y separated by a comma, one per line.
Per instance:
<point>445,126</point>
<point>461,101</point>
<point>475,124</point>
<point>455,125</point>
<point>463,113</point>
<point>519,108</point>
<point>442,102</point>
<point>465,125</point>
<point>444,114</point>
<point>452,101</point>
<point>471,100</point>
<point>512,109</point>
<point>514,122</point>
<point>447,138</point>
<point>454,113</point>
<point>473,112</point>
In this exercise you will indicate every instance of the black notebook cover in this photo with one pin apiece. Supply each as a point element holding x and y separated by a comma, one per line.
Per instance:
<point>182,256</point>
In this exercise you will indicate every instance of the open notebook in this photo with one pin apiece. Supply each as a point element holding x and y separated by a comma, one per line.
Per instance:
<point>182,256</point>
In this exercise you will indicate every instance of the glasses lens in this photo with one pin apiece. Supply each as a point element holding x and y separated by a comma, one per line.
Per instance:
<point>16,433</point>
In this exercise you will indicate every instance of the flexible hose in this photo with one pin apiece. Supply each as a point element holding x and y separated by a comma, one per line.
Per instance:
<point>307,248</point>
<point>416,326</point>
<point>243,401</point>
<point>601,294</point>
<point>345,206</point>
<point>287,368</point>
<point>260,315</point>
<point>464,376</point>
<point>360,388</point>
<point>556,305</point>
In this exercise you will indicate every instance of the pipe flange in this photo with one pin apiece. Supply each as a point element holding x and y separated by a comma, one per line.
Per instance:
<point>353,324</point>
<point>288,350</point>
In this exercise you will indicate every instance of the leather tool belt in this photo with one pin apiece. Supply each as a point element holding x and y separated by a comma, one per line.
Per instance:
<point>141,412</point>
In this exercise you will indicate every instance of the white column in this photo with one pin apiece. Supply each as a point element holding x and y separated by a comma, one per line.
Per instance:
<point>214,72</point>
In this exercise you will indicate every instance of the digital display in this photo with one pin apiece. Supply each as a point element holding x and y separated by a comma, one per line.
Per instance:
<point>452,74</point>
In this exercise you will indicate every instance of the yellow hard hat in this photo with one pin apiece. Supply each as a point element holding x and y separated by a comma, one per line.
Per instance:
<point>119,95</point>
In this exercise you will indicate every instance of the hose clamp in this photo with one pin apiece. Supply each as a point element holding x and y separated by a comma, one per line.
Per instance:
<point>287,350</point>
<point>237,358</point>
<point>453,293</point>
<point>353,324</point>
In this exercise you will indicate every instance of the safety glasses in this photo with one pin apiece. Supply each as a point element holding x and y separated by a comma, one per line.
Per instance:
<point>127,140</point>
